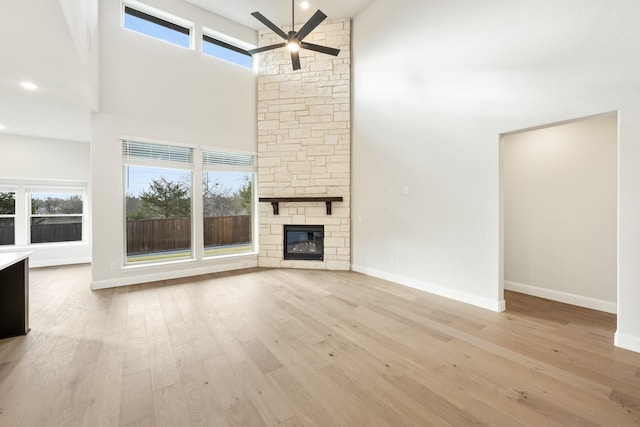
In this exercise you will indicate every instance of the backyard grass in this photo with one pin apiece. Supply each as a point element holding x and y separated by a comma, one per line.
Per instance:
<point>172,255</point>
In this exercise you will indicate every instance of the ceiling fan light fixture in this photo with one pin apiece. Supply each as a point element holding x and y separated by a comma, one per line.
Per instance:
<point>293,45</point>
<point>294,40</point>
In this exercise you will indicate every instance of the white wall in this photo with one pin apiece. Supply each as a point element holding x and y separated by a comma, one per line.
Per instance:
<point>560,218</point>
<point>40,161</point>
<point>82,20</point>
<point>152,90</point>
<point>435,84</point>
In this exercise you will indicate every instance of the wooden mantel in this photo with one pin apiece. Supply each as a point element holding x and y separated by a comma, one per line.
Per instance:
<point>275,201</point>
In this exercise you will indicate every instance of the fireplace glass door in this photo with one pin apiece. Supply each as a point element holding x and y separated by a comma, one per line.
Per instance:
<point>304,242</point>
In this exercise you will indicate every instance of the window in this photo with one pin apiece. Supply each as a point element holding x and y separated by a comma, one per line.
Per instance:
<point>56,217</point>
<point>158,24</point>
<point>160,219</point>
<point>7,218</point>
<point>157,192</point>
<point>227,201</point>
<point>229,52</point>
<point>37,212</point>
<point>161,25</point>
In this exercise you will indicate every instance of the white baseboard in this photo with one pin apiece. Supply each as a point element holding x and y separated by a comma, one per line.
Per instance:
<point>486,303</point>
<point>567,298</point>
<point>629,342</point>
<point>58,262</point>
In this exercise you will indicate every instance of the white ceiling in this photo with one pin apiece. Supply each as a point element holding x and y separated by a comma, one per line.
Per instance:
<point>36,45</point>
<point>279,11</point>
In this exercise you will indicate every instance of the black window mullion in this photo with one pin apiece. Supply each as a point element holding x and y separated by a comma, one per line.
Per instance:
<point>150,18</point>
<point>225,45</point>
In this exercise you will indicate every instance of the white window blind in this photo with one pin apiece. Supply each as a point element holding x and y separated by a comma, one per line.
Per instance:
<point>55,189</point>
<point>213,160</point>
<point>161,155</point>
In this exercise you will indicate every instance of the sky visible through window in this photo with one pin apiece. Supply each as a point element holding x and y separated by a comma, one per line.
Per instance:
<point>155,30</point>
<point>226,54</point>
<point>138,178</point>
<point>172,36</point>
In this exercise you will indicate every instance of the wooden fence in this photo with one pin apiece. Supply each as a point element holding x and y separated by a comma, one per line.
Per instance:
<point>227,230</point>
<point>44,233</point>
<point>7,233</point>
<point>157,235</point>
<point>61,232</point>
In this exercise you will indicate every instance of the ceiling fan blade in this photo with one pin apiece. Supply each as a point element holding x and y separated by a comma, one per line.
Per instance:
<point>295,60</point>
<point>311,24</point>
<point>321,49</point>
<point>266,48</point>
<point>260,17</point>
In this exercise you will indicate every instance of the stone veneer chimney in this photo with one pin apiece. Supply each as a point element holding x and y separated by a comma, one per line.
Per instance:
<point>304,144</point>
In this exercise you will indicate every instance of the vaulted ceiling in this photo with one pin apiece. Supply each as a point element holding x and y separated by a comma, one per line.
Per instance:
<point>279,11</point>
<point>36,45</point>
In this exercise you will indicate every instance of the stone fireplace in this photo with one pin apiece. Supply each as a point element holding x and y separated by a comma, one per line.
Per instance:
<point>304,148</point>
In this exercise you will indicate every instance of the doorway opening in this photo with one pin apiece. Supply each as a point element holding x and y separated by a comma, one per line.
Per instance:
<point>558,212</point>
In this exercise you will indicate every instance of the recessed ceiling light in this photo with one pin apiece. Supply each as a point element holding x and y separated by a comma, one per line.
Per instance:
<point>304,5</point>
<point>2,126</point>
<point>29,85</point>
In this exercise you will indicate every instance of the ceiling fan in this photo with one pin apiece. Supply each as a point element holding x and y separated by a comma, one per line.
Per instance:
<point>294,39</point>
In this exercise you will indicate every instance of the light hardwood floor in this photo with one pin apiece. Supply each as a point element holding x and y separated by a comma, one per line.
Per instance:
<point>312,348</point>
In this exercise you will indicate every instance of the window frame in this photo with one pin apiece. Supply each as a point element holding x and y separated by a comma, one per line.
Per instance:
<point>29,192</point>
<point>232,162</point>
<point>14,191</point>
<point>161,155</point>
<point>230,43</point>
<point>217,160</point>
<point>158,17</point>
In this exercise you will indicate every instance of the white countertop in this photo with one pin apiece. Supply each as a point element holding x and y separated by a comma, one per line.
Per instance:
<point>7,259</point>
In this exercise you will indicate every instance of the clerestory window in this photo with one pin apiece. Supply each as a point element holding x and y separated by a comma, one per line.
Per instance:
<point>224,48</point>
<point>157,24</point>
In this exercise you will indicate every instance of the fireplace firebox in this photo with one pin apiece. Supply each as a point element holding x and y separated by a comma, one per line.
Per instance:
<point>304,242</point>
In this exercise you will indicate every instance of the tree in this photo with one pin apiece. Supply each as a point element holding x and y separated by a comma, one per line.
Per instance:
<point>72,205</point>
<point>56,205</point>
<point>217,198</point>
<point>163,199</point>
<point>246,199</point>
<point>131,205</point>
<point>7,204</point>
